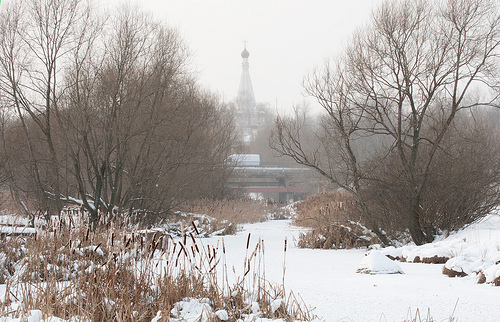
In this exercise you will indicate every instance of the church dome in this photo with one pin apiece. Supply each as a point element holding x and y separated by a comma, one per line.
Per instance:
<point>245,53</point>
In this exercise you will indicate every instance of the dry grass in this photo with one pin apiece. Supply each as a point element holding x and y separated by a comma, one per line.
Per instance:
<point>114,274</point>
<point>452,273</point>
<point>221,217</point>
<point>345,236</point>
<point>11,251</point>
<point>237,211</point>
<point>435,260</point>
<point>417,317</point>
<point>335,221</point>
<point>322,209</point>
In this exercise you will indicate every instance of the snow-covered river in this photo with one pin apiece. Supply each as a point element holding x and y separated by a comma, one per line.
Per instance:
<point>327,280</point>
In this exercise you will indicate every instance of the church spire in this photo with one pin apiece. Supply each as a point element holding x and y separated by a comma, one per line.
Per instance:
<point>248,114</point>
<point>245,98</point>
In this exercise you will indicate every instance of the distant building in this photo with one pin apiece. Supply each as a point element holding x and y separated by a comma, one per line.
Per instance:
<point>249,117</point>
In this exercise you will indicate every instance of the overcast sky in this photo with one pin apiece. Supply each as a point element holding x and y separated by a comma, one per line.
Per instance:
<point>286,39</point>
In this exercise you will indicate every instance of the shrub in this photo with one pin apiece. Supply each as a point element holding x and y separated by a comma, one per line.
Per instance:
<point>334,221</point>
<point>348,235</point>
<point>462,185</point>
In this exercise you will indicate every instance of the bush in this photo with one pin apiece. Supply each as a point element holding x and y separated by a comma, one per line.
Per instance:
<point>351,235</point>
<point>323,209</point>
<point>335,222</point>
<point>461,187</point>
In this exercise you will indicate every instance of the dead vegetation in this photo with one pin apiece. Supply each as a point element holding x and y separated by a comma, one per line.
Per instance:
<point>334,221</point>
<point>117,274</point>
<point>417,317</point>
<point>425,260</point>
<point>220,217</point>
<point>453,273</point>
<point>238,211</point>
<point>435,260</point>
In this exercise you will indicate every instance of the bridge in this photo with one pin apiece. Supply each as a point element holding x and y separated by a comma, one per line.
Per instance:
<point>275,183</point>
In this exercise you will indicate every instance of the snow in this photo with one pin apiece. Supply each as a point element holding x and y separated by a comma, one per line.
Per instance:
<point>328,282</point>
<point>13,220</point>
<point>276,304</point>
<point>377,263</point>
<point>192,310</point>
<point>472,251</point>
<point>479,240</point>
<point>35,316</point>
<point>157,317</point>
<point>222,315</point>
<point>16,230</point>
<point>492,272</point>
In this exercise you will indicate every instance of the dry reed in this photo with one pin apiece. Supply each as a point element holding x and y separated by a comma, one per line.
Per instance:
<point>116,274</point>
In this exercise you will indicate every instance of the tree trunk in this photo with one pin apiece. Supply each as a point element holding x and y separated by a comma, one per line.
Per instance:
<point>416,232</point>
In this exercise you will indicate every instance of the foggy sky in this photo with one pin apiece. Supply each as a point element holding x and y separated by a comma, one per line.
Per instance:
<point>286,39</point>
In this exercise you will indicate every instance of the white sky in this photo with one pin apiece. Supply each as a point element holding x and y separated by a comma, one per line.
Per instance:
<point>286,40</point>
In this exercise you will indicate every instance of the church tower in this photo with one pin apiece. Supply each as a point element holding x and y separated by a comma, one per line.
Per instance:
<point>247,114</point>
<point>245,98</point>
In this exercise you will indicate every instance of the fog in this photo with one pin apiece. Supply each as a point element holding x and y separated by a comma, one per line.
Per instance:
<point>286,39</point>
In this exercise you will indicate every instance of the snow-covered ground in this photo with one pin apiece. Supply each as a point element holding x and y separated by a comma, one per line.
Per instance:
<point>327,279</point>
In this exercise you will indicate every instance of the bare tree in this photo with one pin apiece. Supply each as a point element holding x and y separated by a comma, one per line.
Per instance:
<point>113,120</point>
<point>37,37</point>
<point>398,88</point>
<point>332,147</point>
<point>141,135</point>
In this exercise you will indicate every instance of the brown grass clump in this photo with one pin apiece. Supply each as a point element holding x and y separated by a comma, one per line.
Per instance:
<point>435,260</point>
<point>212,217</point>
<point>481,279</point>
<point>452,273</point>
<point>392,258</point>
<point>179,223</point>
<point>426,260</point>
<point>335,221</point>
<point>117,274</point>
<point>335,237</point>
